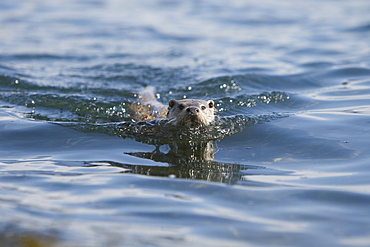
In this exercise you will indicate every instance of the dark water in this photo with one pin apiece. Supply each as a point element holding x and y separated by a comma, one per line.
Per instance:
<point>285,164</point>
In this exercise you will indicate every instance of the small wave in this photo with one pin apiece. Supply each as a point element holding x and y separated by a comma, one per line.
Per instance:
<point>346,72</point>
<point>360,28</point>
<point>8,81</point>
<point>129,74</point>
<point>247,84</point>
<point>226,104</point>
<point>43,56</point>
<point>159,132</point>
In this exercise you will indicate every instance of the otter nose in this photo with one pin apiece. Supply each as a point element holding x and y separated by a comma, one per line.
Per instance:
<point>192,110</point>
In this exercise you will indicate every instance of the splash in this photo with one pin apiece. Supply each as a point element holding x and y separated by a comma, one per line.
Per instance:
<point>161,132</point>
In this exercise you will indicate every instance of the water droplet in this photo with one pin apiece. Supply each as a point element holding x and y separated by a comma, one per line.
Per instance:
<point>30,103</point>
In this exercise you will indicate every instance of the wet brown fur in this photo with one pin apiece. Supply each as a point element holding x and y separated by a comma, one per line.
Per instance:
<point>185,112</point>
<point>189,112</point>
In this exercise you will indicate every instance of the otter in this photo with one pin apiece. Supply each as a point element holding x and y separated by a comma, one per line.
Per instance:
<point>185,112</point>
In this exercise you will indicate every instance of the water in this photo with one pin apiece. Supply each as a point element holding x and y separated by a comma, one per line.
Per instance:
<point>285,164</point>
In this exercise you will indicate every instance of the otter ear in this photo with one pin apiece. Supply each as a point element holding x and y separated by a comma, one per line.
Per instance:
<point>171,103</point>
<point>211,103</point>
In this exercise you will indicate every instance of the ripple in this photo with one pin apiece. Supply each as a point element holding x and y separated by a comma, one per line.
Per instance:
<point>43,56</point>
<point>80,103</point>
<point>347,72</point>
<point>162,132</point>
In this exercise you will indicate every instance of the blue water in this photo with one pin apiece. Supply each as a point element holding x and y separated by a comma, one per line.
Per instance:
<point>285,164</point>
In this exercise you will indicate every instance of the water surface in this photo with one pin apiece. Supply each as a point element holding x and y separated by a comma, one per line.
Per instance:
<point>285,164</point>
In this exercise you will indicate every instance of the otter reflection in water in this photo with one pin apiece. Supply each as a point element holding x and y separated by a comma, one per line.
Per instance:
<point>192,160</point>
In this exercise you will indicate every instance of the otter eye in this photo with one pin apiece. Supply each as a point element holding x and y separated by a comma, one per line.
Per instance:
<point>171,103</point>
<point>203,107</point>
<point>181,106</point>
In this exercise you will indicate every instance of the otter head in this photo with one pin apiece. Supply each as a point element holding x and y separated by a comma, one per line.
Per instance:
<point>191,112</point>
